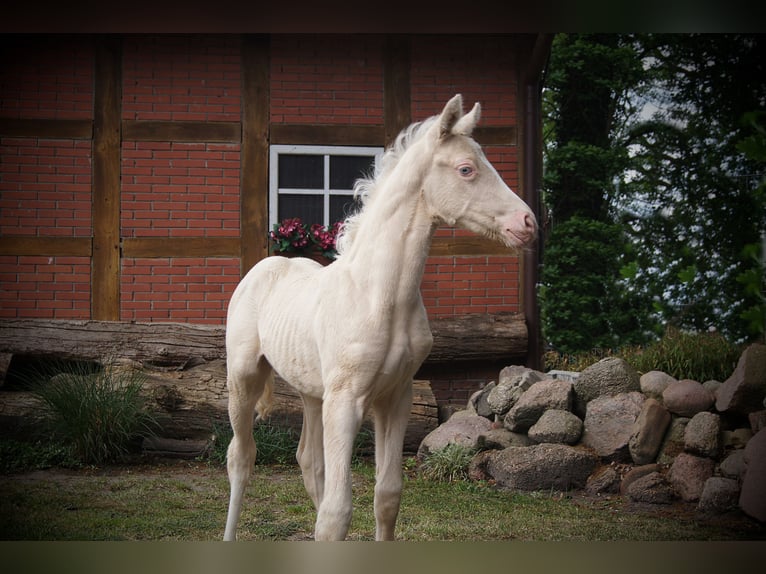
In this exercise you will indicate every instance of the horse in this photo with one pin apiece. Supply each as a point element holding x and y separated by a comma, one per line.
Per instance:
<point>350,336</point>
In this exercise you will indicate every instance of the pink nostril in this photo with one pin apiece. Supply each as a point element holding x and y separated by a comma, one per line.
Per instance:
<point>529,222</point>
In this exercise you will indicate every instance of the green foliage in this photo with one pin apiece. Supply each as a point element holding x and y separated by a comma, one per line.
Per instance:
<point>585,302</point>
<point>683,355</point>
<point>697,356</point>
<point>448,464</point>
<point>278,443</point>
<point>20,455</point>
<point>98,414</point>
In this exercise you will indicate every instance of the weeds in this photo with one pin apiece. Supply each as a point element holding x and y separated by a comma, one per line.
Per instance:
<point>448,464</point>
<point>99,415</point>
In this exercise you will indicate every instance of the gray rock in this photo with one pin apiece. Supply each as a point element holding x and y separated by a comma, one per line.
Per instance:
<point>462,428</point>
<point>688,475</point>
<point>479,401</point>
<point>736,438</point>
<point>541,396</point>
<point>649,431</point>
<point>752,499</point>
<point>651,488</point>
<point>654,383</point>
<point>610,376</point>
<point>757,420</point>
<point>733,466</point>
<point>703,435</point>
<point>503,397</point>
<point>687,398</point>
<point>635,473</point>
<point>712,387</point>
<point>745,390</point>
<point>556,426</point>
<point>609,423</point>
<point>517,376</point>
<point>719,495</point>
<point>537,467</point>
<point>673,444</point>
<point>605,480</point>
<point>570,376</point>
<point>500,438</point>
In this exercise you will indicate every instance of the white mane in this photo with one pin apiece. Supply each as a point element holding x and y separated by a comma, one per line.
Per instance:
<point>365,188</point>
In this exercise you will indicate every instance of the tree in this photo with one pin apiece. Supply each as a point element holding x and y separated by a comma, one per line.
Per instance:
<point>690,199</point>
<point>584,304</point>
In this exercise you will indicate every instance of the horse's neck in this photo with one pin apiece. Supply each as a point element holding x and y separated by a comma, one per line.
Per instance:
<point>391,246</point>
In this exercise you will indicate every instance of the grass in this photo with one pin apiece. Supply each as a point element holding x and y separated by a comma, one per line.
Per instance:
<point>187,501</point>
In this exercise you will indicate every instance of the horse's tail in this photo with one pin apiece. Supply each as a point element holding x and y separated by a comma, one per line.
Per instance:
<point>266,400</point>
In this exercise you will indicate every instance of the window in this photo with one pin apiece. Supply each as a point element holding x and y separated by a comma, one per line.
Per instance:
<point>316,183</point>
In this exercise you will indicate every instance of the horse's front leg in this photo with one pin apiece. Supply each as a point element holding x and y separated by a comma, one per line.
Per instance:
<point>342,415</point>
<point>391,416</point>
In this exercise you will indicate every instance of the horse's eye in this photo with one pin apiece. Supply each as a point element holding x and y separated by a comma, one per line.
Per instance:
<point>465,170</point>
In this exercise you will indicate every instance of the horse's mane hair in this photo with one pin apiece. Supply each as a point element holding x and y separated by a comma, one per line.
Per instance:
<point>365,188</point>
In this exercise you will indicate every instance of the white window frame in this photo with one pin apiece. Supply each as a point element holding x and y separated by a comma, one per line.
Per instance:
<point>324,150</point>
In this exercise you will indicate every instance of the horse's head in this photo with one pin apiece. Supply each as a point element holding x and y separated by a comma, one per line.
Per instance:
<point>463,188</point>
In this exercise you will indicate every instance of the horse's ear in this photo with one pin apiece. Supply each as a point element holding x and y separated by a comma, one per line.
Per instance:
<point>450,115</point>
<point>465,125</point>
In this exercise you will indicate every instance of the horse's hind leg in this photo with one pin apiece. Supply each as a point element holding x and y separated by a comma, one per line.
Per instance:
<point>310,453</point>
<point>247,381</point>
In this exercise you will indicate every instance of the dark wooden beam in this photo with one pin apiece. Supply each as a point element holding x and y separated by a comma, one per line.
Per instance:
<point>48,246</point>
<point>105,274</point>
<point>299,134</point>
<point>254,181</point>
<point>46,129</point>
<point>396,85</point>
<point>180,247</point>
<point>139,130</point>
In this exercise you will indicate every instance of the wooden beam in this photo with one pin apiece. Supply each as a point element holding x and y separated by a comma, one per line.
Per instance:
<point>46,246</point>
<point>300,134</point>
<point>105,268</point>
<point>496,135</point>
<point>254,181</point>
<point>46,129</point>
<point>138,130</point>
<point>396,86</point>
<point>151,247</point>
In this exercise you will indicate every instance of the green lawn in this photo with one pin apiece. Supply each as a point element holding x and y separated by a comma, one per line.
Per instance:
<point>187,501</point>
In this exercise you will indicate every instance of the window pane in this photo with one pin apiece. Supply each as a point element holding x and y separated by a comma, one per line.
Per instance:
<point>341,206</point>
<point>346,169</point>
<point>301,171</point>
<point>307,207</point>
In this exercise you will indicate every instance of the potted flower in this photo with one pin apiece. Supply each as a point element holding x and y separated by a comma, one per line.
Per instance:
<point>292,238</point>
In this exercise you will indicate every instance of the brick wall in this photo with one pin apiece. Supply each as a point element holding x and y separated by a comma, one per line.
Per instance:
<point>327,80</point>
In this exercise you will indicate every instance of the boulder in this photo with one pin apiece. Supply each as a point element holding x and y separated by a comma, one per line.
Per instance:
<point>736,438</point>
<point>703,435</point>
<point>500,438</point>
<point>712,387</point>
<point>654,383</point>
<point>757,420</point>
<point>608,425</point>
<point>556,426</point>
<point>462,428</point>
<point>673,444</point>
<point>752,498</point>
<point>605,480</point>
<point>478,402</point>
<point>651,488</point>
<point>688,475</point>
<point>687,398</point>
<point>744,391</point>
<point>501,398</point>
<point>635,473</point>
<point>719,495</point>
<point>733,466</point>
<point>607,377</point>
<point>541,396</point>
<point>648,432</point>
<point>537,467</point>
